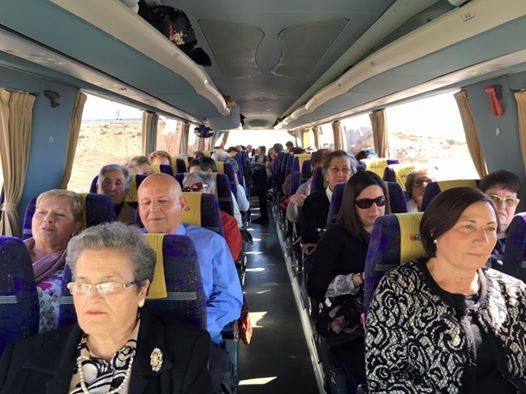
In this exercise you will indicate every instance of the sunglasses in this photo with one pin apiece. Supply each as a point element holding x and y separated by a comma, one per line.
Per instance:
<point>365,203</point>
<point>508,201</point>
<point>422,181</point>
<point>196,187</point>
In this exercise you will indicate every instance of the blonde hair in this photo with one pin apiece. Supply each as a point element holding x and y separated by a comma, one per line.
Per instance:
<point>75,203</point>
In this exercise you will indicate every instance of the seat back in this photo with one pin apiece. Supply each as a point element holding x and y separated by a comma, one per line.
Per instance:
<point>181,162</point>
<point>434,188</point>
<point>131,196</point>
<point>514,262</point>
<point>202,210</point>
<point>228,170</point>
<point>222,192</point>
<point>377,165</point>
<point>306,171</point>
<point>397,199</point>
<point>97,209</point>
<point>395,240</point>
<point>19,311</point>
<point>398,173</point>
<point>336,203</point>
<point>161,169</point>
<point>177,287</point>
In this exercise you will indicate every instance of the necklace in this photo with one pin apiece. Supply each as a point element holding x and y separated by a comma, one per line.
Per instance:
<point>114,391</point>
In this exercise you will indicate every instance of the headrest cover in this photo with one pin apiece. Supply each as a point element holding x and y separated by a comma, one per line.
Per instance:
<point>446,185</point>
<point>401,172</point>
<point>220,165</point>
<point>158,286</point>
<point>302,158</point>
<point>192,211</point>
<point>411,246</point>
<point>184,158</point>
<point>83,197</point>
<point>131,196</point>
<point>155,168</point>
<point>375,165</point>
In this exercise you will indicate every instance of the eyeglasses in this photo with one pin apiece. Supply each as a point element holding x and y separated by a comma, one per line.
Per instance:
<point>196,187</point>
<point>365,203</point>
<point>336,170</point>
<point>510,202</point>
<point>422,181</point>
<point>106,288</point>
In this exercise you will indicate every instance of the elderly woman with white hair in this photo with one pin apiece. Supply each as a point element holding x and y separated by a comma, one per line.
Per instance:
<point>116,346</point>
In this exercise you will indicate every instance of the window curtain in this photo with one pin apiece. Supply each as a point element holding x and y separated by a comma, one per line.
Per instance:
<point>337,134</point>
<point>379,127</point>
<point>74,129</point>
<point>520,97</point>
<point>470,129</point>
<point>224,139</point>
<point>184,138</point>
<point>305,138</point>
<point>149,132</point>
<point>200,144</point>
<point>316,133</point>
<point>15,139</point>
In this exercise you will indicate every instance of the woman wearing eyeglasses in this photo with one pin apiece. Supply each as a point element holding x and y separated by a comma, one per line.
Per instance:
<point>415,185</point>
<point>116,346</point>
<point>339,261</point>
<point>447,323</point>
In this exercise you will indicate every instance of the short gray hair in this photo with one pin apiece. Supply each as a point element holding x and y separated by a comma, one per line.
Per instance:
<point>339,153</point>
<point>204,177</point>
<point>118,167</point>
<point>126,239</point>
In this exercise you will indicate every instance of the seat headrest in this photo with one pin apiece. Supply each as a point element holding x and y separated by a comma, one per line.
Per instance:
<point>398,173</point>
<point>411,246</point>
<point>375,165</point>
<point>158,286</point>
<point>434,188</point>
<point>192,210</point>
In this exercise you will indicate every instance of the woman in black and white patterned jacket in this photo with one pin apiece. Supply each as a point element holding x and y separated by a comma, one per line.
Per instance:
<point>447,324</point>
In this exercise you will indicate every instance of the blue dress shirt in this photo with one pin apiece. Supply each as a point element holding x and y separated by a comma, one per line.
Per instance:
<point>222,288</point>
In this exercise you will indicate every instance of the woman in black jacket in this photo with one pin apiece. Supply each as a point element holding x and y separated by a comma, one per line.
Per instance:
<point>339,258</point>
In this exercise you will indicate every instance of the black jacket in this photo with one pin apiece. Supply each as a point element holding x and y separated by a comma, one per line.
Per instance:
<point>313,216</point>
<point>337,253</point>
<point>45,363</point>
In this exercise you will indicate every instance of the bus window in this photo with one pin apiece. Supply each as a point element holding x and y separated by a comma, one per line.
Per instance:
<point>326,137</point>
<point>357,133</point>
<point>109,133</point>
<point>429,132</point>
<point>169,132</point>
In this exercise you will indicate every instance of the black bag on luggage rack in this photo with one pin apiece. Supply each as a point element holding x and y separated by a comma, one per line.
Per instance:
<point>175,25</point>
<point>339,323</point>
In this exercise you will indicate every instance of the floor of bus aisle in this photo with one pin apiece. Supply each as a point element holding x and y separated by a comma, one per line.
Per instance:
<point>277,360</point>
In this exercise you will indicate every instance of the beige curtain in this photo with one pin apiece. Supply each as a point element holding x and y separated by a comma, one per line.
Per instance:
<point>520,97</point>
<point>337,134</point>
<point>200,144</point>
<point>379,127</point>
<point>184,138</point>
<point>305,138</point>
<point>470,129</point>
<point>149,130</point>
<point>224,139</point>
<point>316,133</point>
<point>74,129</point>
<point>15,139</point>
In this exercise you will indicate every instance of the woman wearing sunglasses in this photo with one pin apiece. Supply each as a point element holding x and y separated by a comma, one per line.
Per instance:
<point>339,260</point>
<point>415,185</point>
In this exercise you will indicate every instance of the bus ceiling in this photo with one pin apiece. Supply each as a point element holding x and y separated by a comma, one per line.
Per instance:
<point>290,63</point>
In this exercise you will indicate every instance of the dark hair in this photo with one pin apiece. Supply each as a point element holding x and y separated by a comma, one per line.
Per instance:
<point>444,211</point>
<point>278,147</point>
<point>207,164</point>
<point>347,216</point>
<point>503,178</point>
<point>338,153</point>
<point>410,180</point>
<point>194,163</point>
<point>297,151</point>
<point>318,157</point>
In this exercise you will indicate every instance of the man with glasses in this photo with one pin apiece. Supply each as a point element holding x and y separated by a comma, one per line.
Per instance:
<point>415,185</point>
<point>502,187</point>
<point>337,168</point>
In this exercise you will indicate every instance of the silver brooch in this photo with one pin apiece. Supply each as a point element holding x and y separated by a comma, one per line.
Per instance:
<point>156,359</point>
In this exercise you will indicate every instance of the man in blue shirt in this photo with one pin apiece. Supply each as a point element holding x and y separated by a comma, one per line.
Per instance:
<point>161,207</point>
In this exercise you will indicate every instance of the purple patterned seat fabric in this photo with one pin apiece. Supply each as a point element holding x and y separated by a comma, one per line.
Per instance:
<point>336,202</point>
<point>19,311</point>
<point>306,171</point>
<point>397,199</point>
<point>317,180</point>
<point>434,188</point>
<point>514,262</point>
